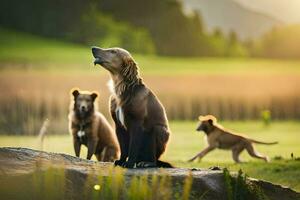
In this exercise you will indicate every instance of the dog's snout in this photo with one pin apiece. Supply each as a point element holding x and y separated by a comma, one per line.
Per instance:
<point>83,108</point>
<point>199,128</point>
<point>96,50</point>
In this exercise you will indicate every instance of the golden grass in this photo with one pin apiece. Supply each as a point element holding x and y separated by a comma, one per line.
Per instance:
<point>35,84</point>
<point>184,97</point>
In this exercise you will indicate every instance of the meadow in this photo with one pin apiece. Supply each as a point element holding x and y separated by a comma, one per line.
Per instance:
<point>185,142</point>
<point>36,75</point>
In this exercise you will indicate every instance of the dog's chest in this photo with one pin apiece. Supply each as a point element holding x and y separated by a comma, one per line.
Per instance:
<point>83,132</point>
<point>82,137</point>
<point>212,139</point>
<point>120,115</point>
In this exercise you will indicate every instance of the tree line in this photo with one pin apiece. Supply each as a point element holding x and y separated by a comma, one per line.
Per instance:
<point>148,26</point>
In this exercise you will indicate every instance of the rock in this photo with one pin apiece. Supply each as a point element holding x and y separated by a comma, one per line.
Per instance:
<point>18,164</point>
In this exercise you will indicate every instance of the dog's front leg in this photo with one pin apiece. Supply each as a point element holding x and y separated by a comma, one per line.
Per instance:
<point>77,146</point>
<point>91,144</point>
<point>202,153</point>
<point>123,138</point>
<point>136,134</point>
<point>76,142</point>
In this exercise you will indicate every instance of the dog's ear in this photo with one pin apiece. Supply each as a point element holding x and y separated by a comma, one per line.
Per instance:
<point>200,118</point>
<point>94,95</point>
<point>75,92</point>
<point>130,69</point>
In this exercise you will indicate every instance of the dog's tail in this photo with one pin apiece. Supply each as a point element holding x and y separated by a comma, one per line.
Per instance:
<point>163,164</point>
<point>259,142</point>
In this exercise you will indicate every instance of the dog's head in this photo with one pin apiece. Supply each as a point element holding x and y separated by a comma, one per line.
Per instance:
<point>115,60</point>
<point>206,123</point>
<point>84,102</point>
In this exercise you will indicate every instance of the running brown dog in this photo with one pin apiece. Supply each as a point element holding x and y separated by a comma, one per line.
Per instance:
<point>218,137</point>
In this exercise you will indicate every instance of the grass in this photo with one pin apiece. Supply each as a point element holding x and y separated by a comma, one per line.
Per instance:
<point>185,142</point>
<point>108,184</point>
<point>237,187</point>
<point>28,51</point>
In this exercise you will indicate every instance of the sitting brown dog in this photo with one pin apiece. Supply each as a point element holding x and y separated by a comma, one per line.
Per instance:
<point>218,137</point>
<point>90,128</point>
<point>141,122</point>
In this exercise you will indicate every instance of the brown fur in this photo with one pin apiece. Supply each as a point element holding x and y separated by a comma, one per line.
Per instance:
<point>141,123</point>
<point>218,137</point>
<point>99,136</point>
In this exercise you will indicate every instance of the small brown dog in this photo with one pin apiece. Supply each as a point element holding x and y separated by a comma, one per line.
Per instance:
<point>90,128</point>
<point>218,137</point>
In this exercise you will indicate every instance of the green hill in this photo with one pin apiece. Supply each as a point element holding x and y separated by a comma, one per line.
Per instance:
<point>20,47</point>
<point>19,50</point>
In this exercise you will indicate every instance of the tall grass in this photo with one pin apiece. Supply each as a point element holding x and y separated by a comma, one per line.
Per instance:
<point>114,184</point>
<point>117,183</point>
<point>20,116</point>
<point>238,188</point>
<point>234,108</point>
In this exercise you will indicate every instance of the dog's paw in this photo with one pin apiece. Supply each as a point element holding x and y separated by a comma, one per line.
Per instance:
<point>144,164</point>
<point>128,164</point>
<point>215,168</point>
<point>267,159</point>
<point>119,163</point>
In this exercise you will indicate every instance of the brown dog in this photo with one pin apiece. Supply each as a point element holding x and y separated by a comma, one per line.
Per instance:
<point>90,128</point>
<point>141,122</point>
<point>218,137</point>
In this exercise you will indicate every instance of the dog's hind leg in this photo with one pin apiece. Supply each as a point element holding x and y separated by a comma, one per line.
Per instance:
<point>250,149</point>
<point>154,146</point>
<point>99,153</point>
<point>236,151</point>
<point>147,155</point>
<point>91,144</point>
<point>110,154</point>
<point>161,139</point>
<point>99,156</point>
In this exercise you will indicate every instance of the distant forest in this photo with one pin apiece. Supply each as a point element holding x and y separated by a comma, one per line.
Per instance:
<point>148,27</point>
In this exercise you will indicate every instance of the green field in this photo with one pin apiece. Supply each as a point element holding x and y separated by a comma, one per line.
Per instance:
<point>51,55</point>
<point>185,142</point>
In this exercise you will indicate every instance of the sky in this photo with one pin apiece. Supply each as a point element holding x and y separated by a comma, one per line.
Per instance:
<point>287,11</point>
